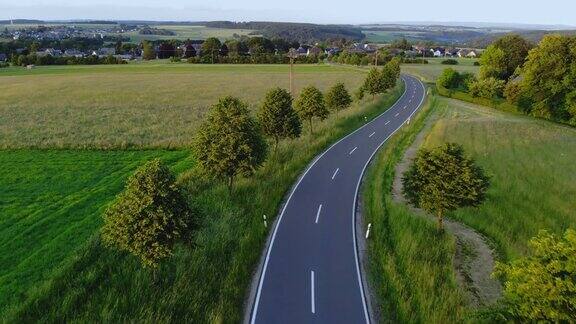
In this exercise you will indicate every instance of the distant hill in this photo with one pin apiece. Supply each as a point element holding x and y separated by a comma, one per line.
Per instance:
<point>21,21</point>
<point>299,32</point>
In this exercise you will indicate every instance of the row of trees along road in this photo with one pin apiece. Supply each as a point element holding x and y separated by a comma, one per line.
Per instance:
<point>152,214</point>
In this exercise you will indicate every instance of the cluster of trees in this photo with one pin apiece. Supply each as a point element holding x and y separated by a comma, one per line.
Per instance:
<point>380,80</point>
<point>152,215</point>
<point>540,80</point>
<point>23,60</point>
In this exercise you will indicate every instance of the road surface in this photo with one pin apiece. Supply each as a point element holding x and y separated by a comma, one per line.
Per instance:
<point>311,272</point>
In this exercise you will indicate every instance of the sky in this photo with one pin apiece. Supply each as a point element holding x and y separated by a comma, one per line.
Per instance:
<point>549,12</point>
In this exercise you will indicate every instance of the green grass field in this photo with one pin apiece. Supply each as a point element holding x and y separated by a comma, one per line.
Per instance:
<point>206,284</point>
<point>431,71</point>
<point>149,105</point>
<point>533,177</point>
<point>51,203</point>
<point>531,163</point>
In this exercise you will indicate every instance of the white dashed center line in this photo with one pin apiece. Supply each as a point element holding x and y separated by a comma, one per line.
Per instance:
<point>386,123</point>
<point>354,149</point>
<point>312,301</point>
<point>318,213</point>
<point>335,173</point>
<point>396,114</point>
<point>372,134</point>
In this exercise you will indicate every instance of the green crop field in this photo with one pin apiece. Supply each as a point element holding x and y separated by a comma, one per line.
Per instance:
<point>533,177</point>
<point>143,104</point>
<point>51,203</point>
<point>431,71</point>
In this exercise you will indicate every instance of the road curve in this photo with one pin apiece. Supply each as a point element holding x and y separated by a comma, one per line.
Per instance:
<point>311,271</point>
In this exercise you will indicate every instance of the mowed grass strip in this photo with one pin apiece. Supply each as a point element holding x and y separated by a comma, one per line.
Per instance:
<point>531,163</point>
<point>410,262</point>
<point>206,284</point>
<point>51,203</point>
<point>136,105</point>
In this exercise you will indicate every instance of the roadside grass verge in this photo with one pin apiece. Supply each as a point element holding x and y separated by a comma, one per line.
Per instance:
<point>51,203</point>
<point>142,105</point>
<point>532,169</point>
<point>410,262</point>
<point>206,284</point>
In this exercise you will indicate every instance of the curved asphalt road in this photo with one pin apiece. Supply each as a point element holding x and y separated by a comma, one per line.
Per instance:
<point>311,272</point>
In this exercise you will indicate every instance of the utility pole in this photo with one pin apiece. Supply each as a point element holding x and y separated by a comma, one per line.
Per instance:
<point>292,54</point>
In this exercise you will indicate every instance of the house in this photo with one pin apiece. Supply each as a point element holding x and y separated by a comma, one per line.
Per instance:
<point>472,54</point>
<point>467,53</point>
<point>73,53</point>
<point>438,51</point>
<point>302,51</point>
<point>104,51</point>
<point>332,51</point>
<point>3,57</point>
<point>314,51</point>
<point>197,48</point>
<point>362,48</point>
<point>49,51</point>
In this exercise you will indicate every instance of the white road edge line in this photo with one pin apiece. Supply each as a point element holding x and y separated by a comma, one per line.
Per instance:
<point>335,173</point>
<point>372,134</point>
<point>354,149</point>
<point>312,297</point>
<point>254,311</point>
<point>356,200</point>
<point>318,213</point>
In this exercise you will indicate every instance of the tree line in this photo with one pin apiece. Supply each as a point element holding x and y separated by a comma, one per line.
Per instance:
<point>152,214</point>
<point>540,80</point>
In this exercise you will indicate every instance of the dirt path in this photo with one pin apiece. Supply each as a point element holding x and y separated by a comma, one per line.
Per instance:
<point>474,259</point>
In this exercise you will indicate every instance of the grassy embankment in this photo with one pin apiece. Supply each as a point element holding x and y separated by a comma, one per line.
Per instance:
<point>533,188</point>
<point>204,284</point>
<point>151,105</point>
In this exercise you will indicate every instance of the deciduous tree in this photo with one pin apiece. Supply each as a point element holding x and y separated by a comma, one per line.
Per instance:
<point>338,98</point>
<point>374,83</point>
<point>277,117</point>
<point>310,105</point>
<point>150,216</point>
<point>229,143</point>
<point>443,179</point>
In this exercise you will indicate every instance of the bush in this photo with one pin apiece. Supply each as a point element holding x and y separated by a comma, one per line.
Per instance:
<point>4,65</point>
<point>450,62</point>
<point>489,88</point>
<point>476,63</point>
<point>150,216</point>
<point>449,79</point>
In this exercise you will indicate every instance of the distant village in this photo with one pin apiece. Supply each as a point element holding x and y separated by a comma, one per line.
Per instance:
<point>190,48</point>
